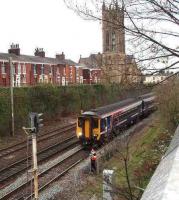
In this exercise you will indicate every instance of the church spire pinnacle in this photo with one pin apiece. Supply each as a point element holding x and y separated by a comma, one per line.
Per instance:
<point>104,6</point>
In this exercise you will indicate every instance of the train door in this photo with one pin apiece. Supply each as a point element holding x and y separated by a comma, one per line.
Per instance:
<point>87,128</point>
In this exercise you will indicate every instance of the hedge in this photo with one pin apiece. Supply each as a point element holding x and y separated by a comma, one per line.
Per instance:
<point>55,101</point>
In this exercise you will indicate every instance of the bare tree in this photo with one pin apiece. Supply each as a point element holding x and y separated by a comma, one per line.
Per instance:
<point>151,27</point>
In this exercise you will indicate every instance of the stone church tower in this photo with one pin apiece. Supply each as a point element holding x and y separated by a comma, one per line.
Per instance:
<point>114,58</point>
<point>116,66</point>
<point>112,29</point>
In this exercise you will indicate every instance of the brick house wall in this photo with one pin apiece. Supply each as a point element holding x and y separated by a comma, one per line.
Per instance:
<point>38,69</point>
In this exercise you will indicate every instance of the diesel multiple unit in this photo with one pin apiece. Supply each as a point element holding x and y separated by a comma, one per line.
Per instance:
<point>97,125</point>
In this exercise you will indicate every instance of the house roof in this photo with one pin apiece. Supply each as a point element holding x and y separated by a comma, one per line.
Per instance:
<point>35,59</point>
<point>93,61</point>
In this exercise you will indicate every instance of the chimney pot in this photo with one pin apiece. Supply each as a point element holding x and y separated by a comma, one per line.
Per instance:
<point>39,52</point>
<point>14,49</point>
<point>60,56</point>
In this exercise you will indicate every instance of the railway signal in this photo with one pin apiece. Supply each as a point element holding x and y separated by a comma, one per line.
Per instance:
<point>35,122</point>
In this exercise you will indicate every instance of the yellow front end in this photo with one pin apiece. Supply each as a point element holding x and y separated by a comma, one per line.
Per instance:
<point>88,129</point>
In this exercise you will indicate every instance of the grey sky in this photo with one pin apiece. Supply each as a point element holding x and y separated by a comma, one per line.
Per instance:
<point>48,24</point>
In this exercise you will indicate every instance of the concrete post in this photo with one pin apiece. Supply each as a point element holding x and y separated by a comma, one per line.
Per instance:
<point>35,168</point>
<point>107,182</point>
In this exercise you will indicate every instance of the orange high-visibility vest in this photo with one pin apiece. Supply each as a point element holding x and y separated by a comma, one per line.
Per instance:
<point>93,157</point>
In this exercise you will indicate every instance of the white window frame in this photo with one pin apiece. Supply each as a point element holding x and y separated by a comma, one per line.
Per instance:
<point>19,68</point>
<point>14,68</point>
<point>24,68</point>
<point>42,67</point>
<point>3,68</point>
<point>35,69</point>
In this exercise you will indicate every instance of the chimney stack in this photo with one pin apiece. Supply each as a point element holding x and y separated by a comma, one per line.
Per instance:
<point>60,56</point>
<point>39,52</point>
<point>14,49</point>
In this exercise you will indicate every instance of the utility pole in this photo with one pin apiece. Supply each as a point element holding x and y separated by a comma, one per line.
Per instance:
<point>12,94</point>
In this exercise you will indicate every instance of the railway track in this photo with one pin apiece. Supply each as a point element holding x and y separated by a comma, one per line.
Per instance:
<point>9,173</point>
<point>51,174</point>
<point>61,168</point>
<point>42,137</point>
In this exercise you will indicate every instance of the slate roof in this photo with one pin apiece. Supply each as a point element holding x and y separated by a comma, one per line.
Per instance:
<point>93,61</point>
<point>35,59</point>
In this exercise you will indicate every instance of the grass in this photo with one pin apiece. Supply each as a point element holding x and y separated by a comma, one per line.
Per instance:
<point>145,151</point>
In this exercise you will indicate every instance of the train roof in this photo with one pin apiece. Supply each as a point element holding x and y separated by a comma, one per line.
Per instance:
<point>109,108</point>
<point>115,106</point>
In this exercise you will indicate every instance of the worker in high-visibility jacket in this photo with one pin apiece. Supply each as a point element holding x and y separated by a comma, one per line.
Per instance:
<point>93,161</point>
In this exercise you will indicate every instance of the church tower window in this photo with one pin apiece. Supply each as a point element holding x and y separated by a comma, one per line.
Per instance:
<point>113,41</point>
<point>107,41</point>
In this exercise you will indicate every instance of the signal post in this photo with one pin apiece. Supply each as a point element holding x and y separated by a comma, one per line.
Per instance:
<point>35,167</point>
<point>35,124</point>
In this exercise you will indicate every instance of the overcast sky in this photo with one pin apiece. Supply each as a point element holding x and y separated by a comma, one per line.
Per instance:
<point>48,24</point>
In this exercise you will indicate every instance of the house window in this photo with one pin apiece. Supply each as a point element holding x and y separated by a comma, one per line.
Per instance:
<point>35,69</point>
<point>3,68</point>
<point>24,79</point>
<point>64,71</point>
<point>19,69</point>
<point>42,69</point>
<point>24,69</point>
<point>51,70</point>
<point>13,68</point>
<point>58,70</point>
<point>113,41</point>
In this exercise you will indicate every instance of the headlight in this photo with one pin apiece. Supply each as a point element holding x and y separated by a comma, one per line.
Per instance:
<point>80,134</point>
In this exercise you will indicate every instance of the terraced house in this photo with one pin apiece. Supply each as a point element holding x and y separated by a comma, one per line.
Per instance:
<point>38,69</point>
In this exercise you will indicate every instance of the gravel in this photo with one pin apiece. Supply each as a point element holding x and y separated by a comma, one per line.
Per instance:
<point>43,167</point>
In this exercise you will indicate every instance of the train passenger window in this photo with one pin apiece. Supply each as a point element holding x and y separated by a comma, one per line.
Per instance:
<point>80,121</point>
<point>103,124</point>
<point>95,123</point>
<point>108,122</point>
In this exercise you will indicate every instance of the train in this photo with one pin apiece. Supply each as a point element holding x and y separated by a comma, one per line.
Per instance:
<point>96,126</point>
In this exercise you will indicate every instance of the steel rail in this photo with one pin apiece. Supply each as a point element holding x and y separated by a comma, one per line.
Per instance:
<point>43,155</point>
<point>23,185</point>
<point>45,136</point>
<point>55,178</point>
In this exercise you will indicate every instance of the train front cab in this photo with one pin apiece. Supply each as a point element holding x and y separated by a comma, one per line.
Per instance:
<point>88,129</point>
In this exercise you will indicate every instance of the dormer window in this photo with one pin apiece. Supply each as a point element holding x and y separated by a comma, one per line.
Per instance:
<point>3,68</point>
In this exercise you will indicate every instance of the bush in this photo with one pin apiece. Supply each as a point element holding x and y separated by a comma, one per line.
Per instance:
<point>168,99</point>
<point>55,101</point>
